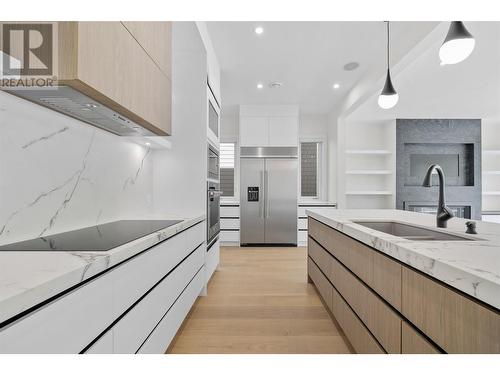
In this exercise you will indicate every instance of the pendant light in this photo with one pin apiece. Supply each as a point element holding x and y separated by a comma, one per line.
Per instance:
<point>457,45</point>
<point>388,97</point>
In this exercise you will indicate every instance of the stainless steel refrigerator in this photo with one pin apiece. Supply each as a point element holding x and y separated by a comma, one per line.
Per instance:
<point>268,195</point>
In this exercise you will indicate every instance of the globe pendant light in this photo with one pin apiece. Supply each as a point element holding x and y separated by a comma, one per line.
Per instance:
<point>457,45</point>
<point>388,97</point>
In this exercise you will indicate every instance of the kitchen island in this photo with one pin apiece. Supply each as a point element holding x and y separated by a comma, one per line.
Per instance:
<point>407,295</point>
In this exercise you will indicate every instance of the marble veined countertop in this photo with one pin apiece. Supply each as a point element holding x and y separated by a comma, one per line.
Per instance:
<point>472,267</point>
<point>30,277</point>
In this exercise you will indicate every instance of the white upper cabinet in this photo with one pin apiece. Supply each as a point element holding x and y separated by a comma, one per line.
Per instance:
<point>254,131</point>
<point>283,131</point>
<point>262,126</point>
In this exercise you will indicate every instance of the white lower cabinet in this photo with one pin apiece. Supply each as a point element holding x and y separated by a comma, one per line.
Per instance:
<point>165,331</point>
<point>65,325</point>
<point>136,276</point>
<point>121,307</point>
<point>131,330</point>
<point>212,257</point>
<point>102,346</point>
<point>229,237</point>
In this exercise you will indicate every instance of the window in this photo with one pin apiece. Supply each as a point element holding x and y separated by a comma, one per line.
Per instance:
<point>227,157</point>
<point>309,169</point>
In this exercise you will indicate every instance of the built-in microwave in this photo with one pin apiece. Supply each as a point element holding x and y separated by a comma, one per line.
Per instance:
<point>213,115</point>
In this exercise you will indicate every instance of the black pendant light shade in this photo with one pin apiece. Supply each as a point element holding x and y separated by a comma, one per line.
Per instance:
<point>388,97</point>
<point>457,45</point>
<point>388,87</point>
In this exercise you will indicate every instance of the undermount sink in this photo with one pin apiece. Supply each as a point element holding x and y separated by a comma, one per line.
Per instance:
<point>411,232</point>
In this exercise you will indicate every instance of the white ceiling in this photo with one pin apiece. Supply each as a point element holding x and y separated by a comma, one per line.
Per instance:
<point>307,57</point>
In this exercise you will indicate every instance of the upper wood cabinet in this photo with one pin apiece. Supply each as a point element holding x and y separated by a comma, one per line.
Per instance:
<point>124,66</point>
<point>158,48</point>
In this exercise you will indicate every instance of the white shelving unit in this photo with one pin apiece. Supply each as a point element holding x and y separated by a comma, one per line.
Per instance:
<point>368,152</point>
<point>369,192</point>
<point>369,171</point>
<point>490,170</point>
<point>368,178</point>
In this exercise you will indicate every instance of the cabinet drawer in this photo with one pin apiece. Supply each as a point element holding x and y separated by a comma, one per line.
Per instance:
<point>453,321</point>
<point>102,346</point>
<point>375,269</point>
<point>229,236</point>
<point>413,342</point>
<point>212,257</point>
<point>302,224</point>
<point>136,276</point>
<point>66,325</point>
<point>301,211</point>
<point>359,336</point>
<point>158,341</point>
<point>131,331</point>
<point>322,258</point>
<point>381,320</point>
<point>302,238</point>
<point>229,211</point>
<point>229,223</point>
<point>322,284</point>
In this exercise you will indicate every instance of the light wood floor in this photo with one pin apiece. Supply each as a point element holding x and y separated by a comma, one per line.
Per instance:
<point>259,301</point>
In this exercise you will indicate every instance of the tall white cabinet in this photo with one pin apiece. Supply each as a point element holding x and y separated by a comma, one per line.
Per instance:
<point>262,126</point>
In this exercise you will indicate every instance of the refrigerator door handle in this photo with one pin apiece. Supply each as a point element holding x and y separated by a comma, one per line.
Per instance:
<point>267,193</point>
<point>261,198</point>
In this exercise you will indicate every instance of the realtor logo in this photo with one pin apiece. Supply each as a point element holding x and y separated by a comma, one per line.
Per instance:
<point>28,49</point>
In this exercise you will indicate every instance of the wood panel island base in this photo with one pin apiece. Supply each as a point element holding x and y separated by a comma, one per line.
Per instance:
<point>386,306</point>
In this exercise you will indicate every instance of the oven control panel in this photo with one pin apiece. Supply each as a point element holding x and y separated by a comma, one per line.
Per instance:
<point>253,194</point>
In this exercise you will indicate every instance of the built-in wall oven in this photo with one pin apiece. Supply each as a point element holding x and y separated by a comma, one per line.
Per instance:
<point>213,195</point>
<point>213,212</point>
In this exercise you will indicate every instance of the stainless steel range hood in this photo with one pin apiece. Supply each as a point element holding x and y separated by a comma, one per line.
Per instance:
<point>73,103</point>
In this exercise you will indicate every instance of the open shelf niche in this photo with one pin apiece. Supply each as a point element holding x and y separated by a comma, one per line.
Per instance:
<point>369,170</point>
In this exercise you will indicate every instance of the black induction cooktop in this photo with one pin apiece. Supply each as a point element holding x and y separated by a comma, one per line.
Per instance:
<point>97,238</point>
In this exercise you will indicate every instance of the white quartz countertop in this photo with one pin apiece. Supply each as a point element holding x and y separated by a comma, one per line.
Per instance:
<point>28,278</point>
<point>472,267</point>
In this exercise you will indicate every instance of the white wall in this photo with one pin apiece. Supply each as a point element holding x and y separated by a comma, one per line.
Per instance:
<point>58,173</point>
<point>332,157</point>
<point>180,173</point>
<point>229,127</point>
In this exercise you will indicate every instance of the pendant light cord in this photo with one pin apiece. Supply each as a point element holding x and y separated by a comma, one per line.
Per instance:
<point>388,44</point>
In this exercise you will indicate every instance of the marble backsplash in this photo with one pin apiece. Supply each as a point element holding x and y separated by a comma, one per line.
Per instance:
<point>58,174</point>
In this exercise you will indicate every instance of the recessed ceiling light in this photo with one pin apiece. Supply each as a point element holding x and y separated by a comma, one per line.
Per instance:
<point>259,30</point>
<point>148,144</point>
<point>336,86</point>
<point>260,86</point>
<point>351,66</point>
